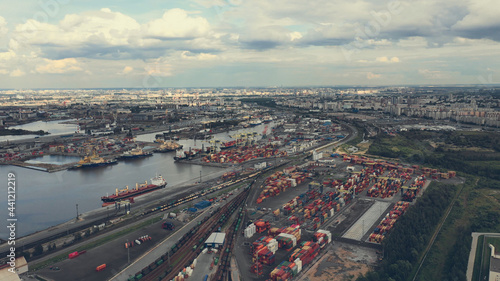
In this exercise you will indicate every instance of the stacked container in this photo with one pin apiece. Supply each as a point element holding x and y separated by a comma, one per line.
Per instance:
<point>250,231</point>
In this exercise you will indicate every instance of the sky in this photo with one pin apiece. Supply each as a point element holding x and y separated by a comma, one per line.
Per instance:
<point>247,43</point>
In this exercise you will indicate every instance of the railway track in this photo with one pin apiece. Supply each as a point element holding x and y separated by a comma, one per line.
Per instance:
<point>223,272</point>
<point>183,253</point>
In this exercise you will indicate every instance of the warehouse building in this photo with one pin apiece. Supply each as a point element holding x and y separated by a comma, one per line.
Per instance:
<point>494,265</point>
<point>216,240</point>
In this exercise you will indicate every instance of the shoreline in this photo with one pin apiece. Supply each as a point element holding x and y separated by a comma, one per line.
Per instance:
<point>142,202</point>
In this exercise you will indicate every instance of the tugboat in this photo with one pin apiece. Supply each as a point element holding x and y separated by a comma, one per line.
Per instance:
<point>167,146</point>
<point>93,160</point>
<point>135,153</point>
<point>140,189</point>
<point>267,119</point>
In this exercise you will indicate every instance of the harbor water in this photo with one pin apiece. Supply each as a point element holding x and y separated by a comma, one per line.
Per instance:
<point>47,199</point>
<point>56,127</point>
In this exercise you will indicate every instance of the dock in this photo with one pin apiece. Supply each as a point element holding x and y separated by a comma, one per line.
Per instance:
<point>50,168</point>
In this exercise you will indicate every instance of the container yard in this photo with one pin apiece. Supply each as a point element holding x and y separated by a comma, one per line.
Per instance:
<point>243,154</point>
<point>322,201</point>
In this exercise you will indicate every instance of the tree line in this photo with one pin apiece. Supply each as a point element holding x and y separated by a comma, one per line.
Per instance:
<point>404,245</point>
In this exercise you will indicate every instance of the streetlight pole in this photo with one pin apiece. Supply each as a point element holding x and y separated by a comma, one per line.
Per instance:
<point>200,176</point>
<point>76,211</point>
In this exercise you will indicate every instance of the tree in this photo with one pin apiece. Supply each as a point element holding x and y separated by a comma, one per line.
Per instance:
<point>38,250</point>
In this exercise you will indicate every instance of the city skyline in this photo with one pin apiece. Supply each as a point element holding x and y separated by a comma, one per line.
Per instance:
<point>235,43</point>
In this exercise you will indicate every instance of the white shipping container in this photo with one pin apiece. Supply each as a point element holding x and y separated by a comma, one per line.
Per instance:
<point>298,262</point>
<point>248,232</point>
<point>273,247</point>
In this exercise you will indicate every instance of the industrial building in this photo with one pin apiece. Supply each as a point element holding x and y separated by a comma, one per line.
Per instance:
<point>215,240</point>
<point>494,265</point>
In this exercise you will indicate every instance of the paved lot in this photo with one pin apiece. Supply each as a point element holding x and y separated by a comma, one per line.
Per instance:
<point>203,266</point>
<point>113,254</point>
<point>363,224</point>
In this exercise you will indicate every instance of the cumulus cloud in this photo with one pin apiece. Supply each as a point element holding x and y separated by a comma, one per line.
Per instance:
<point>103,27</point>
<point>109,35</point>
<point>3,27</point>
<point>17,73</point>
<point>388,60</point>
<point>7,56</point>
<point>127,69</point>
<point>177,24</point>
<point>289,34</point>
<point>482,21</point>
<point>59,66</point>
<point>371,75</point>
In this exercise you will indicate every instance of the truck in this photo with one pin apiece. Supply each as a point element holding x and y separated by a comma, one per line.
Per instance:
<point>168,225</point>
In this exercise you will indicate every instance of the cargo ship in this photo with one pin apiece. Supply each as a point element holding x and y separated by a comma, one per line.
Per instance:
<point>93,160</point>
<point>254,122</point>
<point>140,189</point>
<point>167,146</point>
<point>185,155</point>
<point>135,153</point>
<point>228,144</point>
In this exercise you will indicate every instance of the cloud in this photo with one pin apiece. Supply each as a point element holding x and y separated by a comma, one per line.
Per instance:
<point>267,37</point>
<point>17,73</point>
<point>109,35</point>
<point>202,56</point>
<point>387,60</point>
<point>159,68</point>
<point>3,27</point>
<point>127,69</point>
<point>434,74</point>
<point>371,75</point>
<point>103,27</point>
<point>7,56</point>
<point>176,24</point>
<point>482,21</point>
<point>59,66</point>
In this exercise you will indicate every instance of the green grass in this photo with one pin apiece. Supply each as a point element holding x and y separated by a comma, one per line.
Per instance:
<point>96,243</point>
<point>477,258</point>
